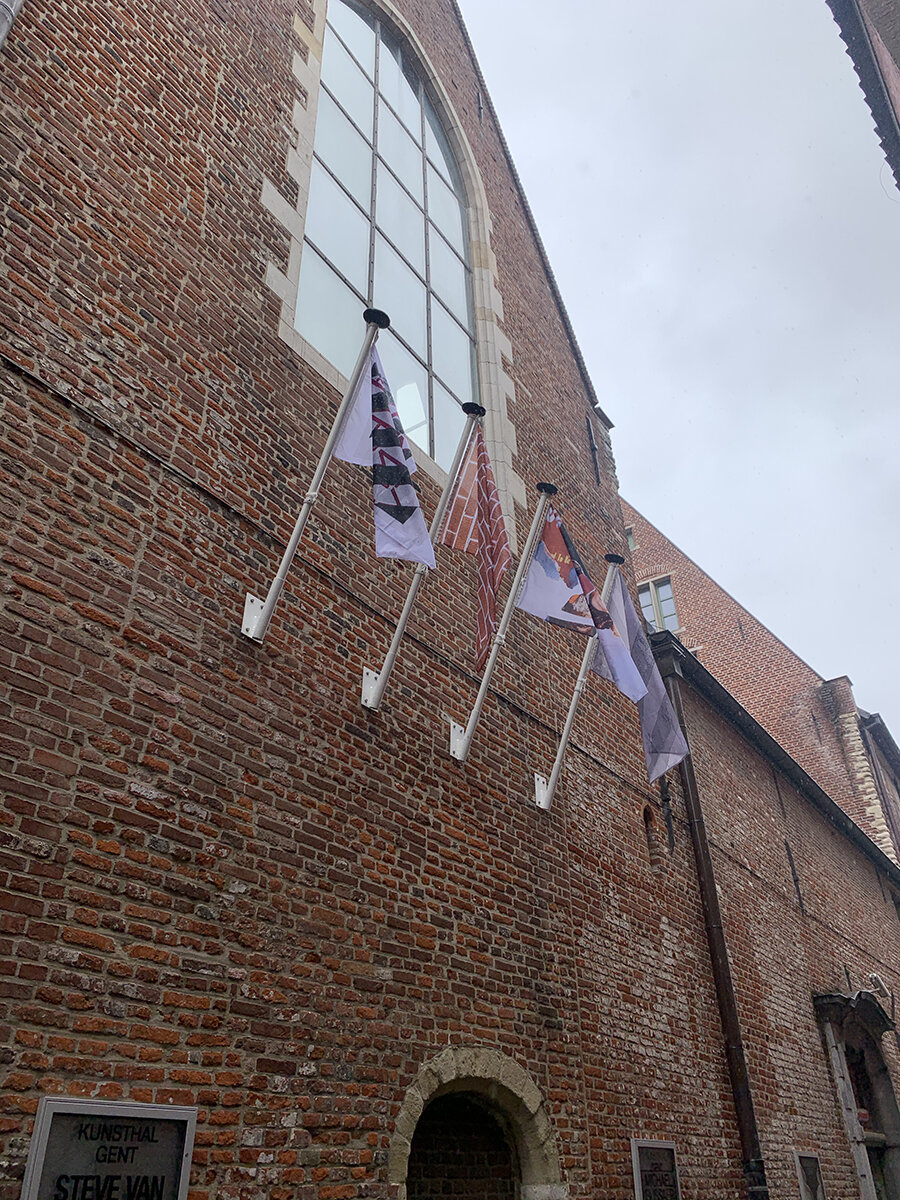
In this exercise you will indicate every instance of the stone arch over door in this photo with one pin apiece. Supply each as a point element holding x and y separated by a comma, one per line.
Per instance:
<point>512,1097</point>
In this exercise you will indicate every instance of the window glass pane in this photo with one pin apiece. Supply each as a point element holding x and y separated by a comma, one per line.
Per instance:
<point>449,420</point>
<point>329,316</point>
<point>345,80</point>
<point>399,88</point>
<point>401,295</point>
<point>338,228</point>
<point>647,607</point>
<point>399,218</point>
<point>451,352</point>
<point>444,209</point>
<point>448,276</point>
<point>400,152</point>
<point>408,382</point>
<point>357,29</point>
<point>436,144</point>
<point>346,153</point>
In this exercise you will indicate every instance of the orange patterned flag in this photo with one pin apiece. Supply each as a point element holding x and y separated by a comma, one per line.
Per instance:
<point>475,525</point>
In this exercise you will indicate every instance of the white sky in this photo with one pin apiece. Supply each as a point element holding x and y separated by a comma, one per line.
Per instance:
<point>726,236</point>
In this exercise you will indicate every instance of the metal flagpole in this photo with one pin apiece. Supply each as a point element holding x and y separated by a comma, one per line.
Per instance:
<point>258,613</point>
<point>375,683</point>
<point>461,738</point>
<point>544,788</point>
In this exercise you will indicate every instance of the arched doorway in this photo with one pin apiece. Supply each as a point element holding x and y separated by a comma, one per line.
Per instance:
<point>474,1114</point>
<point>461,1152</point>
<point>853,1027</point>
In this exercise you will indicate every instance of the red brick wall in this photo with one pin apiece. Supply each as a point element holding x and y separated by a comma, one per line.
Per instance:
<point>782,954</point>
<point>223,882</point>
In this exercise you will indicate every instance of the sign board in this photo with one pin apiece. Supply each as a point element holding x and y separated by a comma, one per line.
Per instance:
<point>809,1173</point>
<point>655,1170</point>
<point>106,1150</point>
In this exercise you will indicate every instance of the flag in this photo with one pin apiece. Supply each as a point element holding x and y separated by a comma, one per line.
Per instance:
<point>372,436</point>
<point>664,743</point>
<point>558,589</point>
<point>475,525</point>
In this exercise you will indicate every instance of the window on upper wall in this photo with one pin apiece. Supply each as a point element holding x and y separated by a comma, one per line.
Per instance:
<point>386,226</point>
<point>658,604</point>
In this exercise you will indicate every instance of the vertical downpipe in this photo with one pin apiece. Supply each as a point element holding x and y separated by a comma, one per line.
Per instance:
<point>751,1153</point>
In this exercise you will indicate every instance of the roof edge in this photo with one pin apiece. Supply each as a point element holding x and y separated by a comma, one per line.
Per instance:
<point>666,645</point>
<point>724,591</point>
<point>854,35</point>
<point>532,224</point>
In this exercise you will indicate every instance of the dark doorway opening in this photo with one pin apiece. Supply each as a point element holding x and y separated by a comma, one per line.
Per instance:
<point>460,1152</point>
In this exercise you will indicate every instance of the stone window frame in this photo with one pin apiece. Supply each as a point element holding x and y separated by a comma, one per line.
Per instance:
<point>492,347</point>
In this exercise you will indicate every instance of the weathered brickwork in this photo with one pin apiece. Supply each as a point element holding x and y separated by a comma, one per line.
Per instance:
<point>223,883</point>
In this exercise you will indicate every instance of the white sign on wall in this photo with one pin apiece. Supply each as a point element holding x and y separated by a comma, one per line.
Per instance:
<point>106,1150</point>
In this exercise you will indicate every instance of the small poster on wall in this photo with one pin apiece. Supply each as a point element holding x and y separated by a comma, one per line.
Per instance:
<point>809,1174</point>
<point>106,1150</point>
<point>655,1170</point>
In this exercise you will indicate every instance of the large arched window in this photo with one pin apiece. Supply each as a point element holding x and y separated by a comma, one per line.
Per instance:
<point>386,225</point>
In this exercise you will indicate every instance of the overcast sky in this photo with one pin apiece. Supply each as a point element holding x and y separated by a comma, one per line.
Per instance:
<point>726,236</point>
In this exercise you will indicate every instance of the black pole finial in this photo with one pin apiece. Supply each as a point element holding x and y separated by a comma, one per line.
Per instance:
<point>471,409</point>
<point>549,489</point>
<point>615,559</point>
<point>374,316</point>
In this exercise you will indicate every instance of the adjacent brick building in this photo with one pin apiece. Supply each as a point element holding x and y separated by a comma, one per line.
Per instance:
<point>223,882</point>
<point>850,753</point>
<point>870,30</point>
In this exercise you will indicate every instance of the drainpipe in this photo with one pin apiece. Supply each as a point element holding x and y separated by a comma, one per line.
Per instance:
<point>9,10</point>
<point>754,1167</point>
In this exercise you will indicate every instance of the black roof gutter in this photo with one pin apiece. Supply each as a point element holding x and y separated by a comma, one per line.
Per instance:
<point>666,644</point>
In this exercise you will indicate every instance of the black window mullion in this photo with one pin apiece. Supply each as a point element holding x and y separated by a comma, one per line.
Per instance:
<point>428,292</point>
<point>365,137</point>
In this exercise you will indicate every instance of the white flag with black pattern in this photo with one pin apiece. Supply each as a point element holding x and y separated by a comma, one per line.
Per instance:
<point>373,437</point>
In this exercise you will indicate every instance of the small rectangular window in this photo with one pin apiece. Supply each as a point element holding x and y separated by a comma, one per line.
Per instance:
<point>655,1170</point>
<point>809,1174</point>
<point>658,604</point>
<point>629,538</point>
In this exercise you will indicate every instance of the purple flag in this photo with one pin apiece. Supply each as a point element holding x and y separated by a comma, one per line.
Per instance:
<point>664,744</point>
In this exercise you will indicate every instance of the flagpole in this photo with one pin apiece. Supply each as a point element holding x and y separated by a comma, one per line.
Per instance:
<point>544,788</point>
<point>375,683</point>
<point>258,613</point>
<point>461,738</point>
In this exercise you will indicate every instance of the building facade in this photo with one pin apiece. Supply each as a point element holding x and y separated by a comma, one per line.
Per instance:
<point>870,30</point>
<point>224,884</point>
<point>849,752</point>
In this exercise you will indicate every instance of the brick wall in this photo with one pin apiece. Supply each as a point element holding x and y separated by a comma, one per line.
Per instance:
<point>222,882</point>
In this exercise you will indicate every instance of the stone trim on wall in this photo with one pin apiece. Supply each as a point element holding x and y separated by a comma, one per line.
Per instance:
<point>493,347</point>
<point>515,1100</point>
